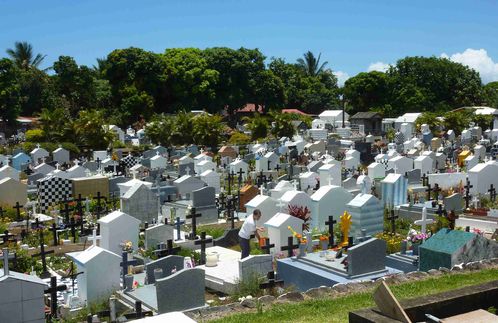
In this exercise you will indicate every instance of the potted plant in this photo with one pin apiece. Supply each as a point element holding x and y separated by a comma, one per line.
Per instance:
<point>324,241</point>
<point>303,242</point>
<point>416,239</point>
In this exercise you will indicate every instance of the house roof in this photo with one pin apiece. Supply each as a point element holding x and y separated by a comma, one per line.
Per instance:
<point>295,111</point>
<point>250,107</point>
<point>278,220</point>
<point>322,191</point>
<point>408,117</point>
<point>257,200</point>
<point>330,113</point>
<point>366,115</point>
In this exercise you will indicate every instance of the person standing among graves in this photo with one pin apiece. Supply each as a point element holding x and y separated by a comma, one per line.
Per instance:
<point>248,228</point>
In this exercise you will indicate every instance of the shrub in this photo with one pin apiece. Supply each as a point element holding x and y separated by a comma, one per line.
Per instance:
<point>248,286</point>
<point>35,135</point>
<point>239,138</point>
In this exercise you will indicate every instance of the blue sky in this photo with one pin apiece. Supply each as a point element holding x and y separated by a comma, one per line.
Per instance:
<point>351,35</point>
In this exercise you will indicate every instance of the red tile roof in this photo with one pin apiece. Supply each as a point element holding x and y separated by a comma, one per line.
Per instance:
<point>295,111</point>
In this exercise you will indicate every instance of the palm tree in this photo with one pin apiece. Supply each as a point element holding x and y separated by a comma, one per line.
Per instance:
<point>101,66</point>
<point>22,55</point>
<point>311,64</point>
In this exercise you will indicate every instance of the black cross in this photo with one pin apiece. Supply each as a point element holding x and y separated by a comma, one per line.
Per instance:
<point>42,254</point>
<point>99,162</point>
<point>261,178</point>
<point>66,210</point>
<point>269,164</point>
<point>393,218</point>
<point>178,224</point>
<point>424,179</point>
<point>53,294</point>
<point>439,211</point>
<point>1,212</point>
<point>230,211</point>
<point>267,246</point>
<point>436,190</point>
<point>331,223</point>
<point>240,172</point>
<point>99,206</point>
<point>290,246</point>
<point>272,281</point>
<point>7,237</point>
<point>125,263</point>
<point>277,168</point>
<point>492,193</point>
<point>18,211</point>
<point>193,216</point>
<point>203,242</point>
<point>72,275</point>
<point>170,250</point>
<point>230,178</point>
<point>54,234</point>
<point>286,156</point>
<point>467,193</point>
<point>139,313</point>
<point>429,190</point>
<point>72,225</point>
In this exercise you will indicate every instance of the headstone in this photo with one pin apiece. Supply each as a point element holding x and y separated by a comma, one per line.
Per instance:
<point>367,257</point>
<point>191,284</point>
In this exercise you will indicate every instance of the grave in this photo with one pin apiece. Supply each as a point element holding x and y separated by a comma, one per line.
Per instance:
<point>100,276</point>
<point>90,186</point>
<point>328,200</point>
<point>394,189</point>
<point>265,204</point>
<point>448,247</point>
<point>367,213</point>
<point>186,184</point>
<point>141,203</point>
<point>7,171</point>
<point>157,234</point>
<point>278,230</point>
<point>204,202</point>
<point>116,228</point>
<point>12,191</point>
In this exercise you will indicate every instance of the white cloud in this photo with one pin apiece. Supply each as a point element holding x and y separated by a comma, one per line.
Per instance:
<point>378,66</point>
<point>479,60</point>
<point>341,77</point>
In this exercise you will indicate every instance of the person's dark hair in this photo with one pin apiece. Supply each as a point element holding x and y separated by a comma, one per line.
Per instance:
<point>256,212</point>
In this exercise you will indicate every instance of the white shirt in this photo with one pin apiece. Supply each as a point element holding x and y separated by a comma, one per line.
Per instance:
<point>248,228</point>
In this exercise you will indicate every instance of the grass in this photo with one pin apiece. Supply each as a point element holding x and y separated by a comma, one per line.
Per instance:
<point>337,309</point>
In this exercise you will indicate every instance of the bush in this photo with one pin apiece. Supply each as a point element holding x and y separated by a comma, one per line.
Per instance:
<point>239,138</point>
<point>248,286</point>
<point>35,135</point>
<point>393,241</point>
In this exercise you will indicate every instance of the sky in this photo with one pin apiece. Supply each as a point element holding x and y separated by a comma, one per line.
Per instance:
<point>352,35</point>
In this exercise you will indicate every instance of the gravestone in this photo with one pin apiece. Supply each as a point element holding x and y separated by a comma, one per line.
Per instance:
<point>454,203</point>
<point>191,284</point>
<point>367,257</point>
<point>255,265</point>
<point>157,234</point>
<point>141,203</point>
<point>413,176</point>
<point>204,202</point>
<point>169,265</point>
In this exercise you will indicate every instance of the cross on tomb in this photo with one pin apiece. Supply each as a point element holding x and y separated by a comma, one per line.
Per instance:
<point>269,164</point>
<point>54,234</point>
<point>66,210</point>
<point>7,237</point>
<point>424,179</point>
<point>203,242</point>
<point>452,218</point>
<point>331,223</point>
<point>178,224</point>
<point>99,197</point>
<point>18,211</point>
<point>125,263</point>
<point>231,212</point>
<point>492,193</point>
<point>193,216</point>
<point>231,178</point>
<point>72,225</point>
<point>53,295</point>
<point>43,254</point>
<point>436,190</point>
<point>72,275</point>
<point>393,218</point>
<point>99,163</point>
<point>6,256</point>
<point>428,191</point>
<point>240,172</point>
<point>424,221</point>
<point>187,171</point>
<point>139,312</point>
<point>467,193</point>
<point>272,281</point>
<point>168,251</point>
<point>267,246</point>
<point>261,178</point>
<point>290,246</point>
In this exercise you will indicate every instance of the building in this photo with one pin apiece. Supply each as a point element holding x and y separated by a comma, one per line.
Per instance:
<point>370,121</point>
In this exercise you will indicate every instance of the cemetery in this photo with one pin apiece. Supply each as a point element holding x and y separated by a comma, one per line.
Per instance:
<point>219,184</point>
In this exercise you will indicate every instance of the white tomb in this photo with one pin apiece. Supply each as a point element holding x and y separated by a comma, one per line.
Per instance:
<point>424,163</point>
<point>8,171</point>
<point>278,231</point>
<point>212,179</point>
<point>328,200</point>
<point>330,174</point>
<point>482,176</point>
<point>376,170</point>
<point>401,164</point>
<point>237,165</point>
<point>116,228</point>
<point>266,204</point>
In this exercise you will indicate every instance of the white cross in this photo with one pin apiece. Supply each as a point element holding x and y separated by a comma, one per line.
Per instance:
<point>37,145</point>
<point>261,190</point>
<point>395,168</point>
<point>57,166</point>
<point>424,221</point>
<point>76,162</point>
<point>187,170</point>
<point>134,172</point>
<point>280,204</point>
<point>295,185</point>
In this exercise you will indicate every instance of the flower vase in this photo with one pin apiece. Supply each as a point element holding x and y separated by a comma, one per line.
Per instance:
<point>415,247</point>
<point>324,244</point>
<point>302,250</point>
<point>128,283</point>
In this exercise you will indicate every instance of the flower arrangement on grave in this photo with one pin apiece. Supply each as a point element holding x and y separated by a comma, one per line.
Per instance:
<point>126,246</point>
<point>301,212</point>
<point>298,236</point>
<point>416,237</point>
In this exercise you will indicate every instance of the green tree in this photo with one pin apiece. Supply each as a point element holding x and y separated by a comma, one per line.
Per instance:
<point>457,120</point>
<point>135,105</point>
<point>56,124</point>
<point>367,90</point>
<point>311,65</point>
<point>431,119</point>
<point>160,128</point>
<point>10,102</point>
<point>258,125</point>
<point>75,83</point>
<point>89,126</point>
<point>268,91</point>
<point>191,82</point>
<point>282,125</point>
<point>207,130</point>
<point>182,131</point>
<point>483,121</point>
<point>23,56</point>
<point>490,94</point>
